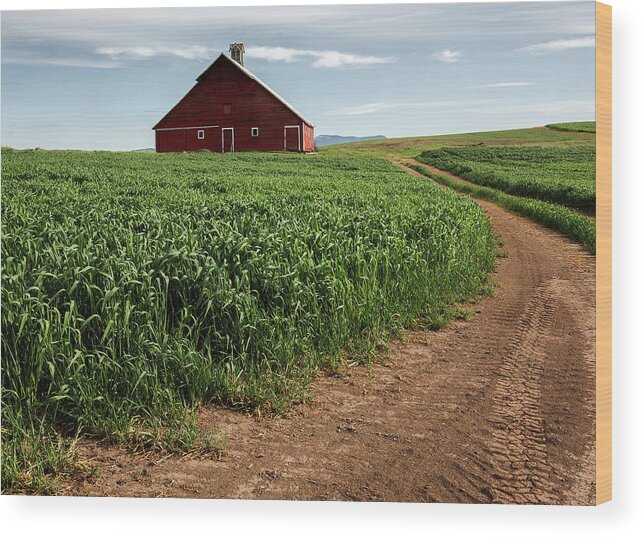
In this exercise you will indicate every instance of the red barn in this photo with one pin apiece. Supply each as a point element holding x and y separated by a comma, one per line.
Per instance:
<point>230,109</point>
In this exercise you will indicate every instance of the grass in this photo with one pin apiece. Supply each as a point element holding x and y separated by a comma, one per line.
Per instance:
<point>580,126</point>
<point>563,175</point>
<point>137,286</point>
<point>568,221</point>
<point>34,457</point>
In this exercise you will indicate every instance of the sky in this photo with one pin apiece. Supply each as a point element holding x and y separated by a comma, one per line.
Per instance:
<point>101,78</point>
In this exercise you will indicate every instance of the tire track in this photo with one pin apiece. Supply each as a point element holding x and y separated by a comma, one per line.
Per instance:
<point>516,418</point>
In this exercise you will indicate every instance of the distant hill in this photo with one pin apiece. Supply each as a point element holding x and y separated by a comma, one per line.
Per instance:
<point>146,150</point>
<point>330,139</point>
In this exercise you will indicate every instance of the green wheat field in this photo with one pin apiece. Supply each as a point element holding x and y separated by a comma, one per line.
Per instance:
<point>138,286</point>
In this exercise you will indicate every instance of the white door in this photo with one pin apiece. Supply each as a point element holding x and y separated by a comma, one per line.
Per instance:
<point>227,140</point>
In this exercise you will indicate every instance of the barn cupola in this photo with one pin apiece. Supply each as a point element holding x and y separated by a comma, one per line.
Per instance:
<point>236,52</point>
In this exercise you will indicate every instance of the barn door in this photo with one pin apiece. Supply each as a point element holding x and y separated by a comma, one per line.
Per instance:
<point>291,138</point>
<point>227,140</point>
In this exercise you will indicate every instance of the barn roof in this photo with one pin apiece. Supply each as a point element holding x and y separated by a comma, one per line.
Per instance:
<point>252,76</point>
<point>249,75</point>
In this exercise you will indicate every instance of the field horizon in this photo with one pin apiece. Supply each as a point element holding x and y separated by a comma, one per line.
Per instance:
<point>432,141</point>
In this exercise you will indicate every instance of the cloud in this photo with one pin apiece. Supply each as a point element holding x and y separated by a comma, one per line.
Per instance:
<point>430,117</point>
<point>506,85</point>
<point>322,58</point>
<point>332,58</point>
<point>275,54</point>
<point>447,56</point>
<point>61,62</point>
<point>377,107</point>
<point>190,52</point>
<point>368,108</point>
<point>560,44</point>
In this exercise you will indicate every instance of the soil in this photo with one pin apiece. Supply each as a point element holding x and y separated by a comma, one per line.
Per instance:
<point>497,408</point>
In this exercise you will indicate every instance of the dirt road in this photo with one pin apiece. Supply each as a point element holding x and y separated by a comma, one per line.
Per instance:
<point>495,408</point>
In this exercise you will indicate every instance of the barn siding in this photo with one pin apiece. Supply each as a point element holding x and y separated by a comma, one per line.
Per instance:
<point>173,140</point>
<point>309,138</point>
<point>250,105</point>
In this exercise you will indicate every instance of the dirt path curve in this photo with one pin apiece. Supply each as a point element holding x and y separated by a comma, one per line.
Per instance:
<point>496,408</point>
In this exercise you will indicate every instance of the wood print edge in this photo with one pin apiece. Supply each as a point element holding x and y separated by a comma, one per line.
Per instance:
<point>603,253</point>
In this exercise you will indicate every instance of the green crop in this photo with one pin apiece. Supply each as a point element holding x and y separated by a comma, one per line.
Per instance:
<point>570,222</point>
<point>563,175</point>
<point>137,286</point>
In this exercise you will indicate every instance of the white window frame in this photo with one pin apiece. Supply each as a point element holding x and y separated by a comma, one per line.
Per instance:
<point>254,132</point>
<point>298,136</point>
<point>200,134</point>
